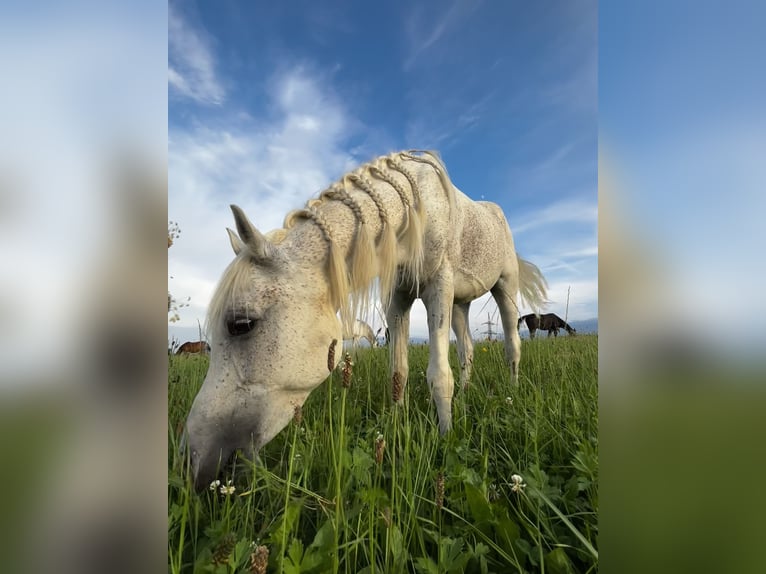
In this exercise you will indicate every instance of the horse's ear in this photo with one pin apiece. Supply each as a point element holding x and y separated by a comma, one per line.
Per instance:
<point>236,242</point>
<point>250,236</point>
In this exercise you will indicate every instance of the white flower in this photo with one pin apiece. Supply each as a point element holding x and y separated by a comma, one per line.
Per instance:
<point>518,484</point>
<point>215,484</point>
<point>509,400</point>
<point>228,489</point>
<point>379,437</point>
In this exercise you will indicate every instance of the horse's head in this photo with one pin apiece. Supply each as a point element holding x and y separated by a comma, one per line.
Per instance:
<point>271,325</point>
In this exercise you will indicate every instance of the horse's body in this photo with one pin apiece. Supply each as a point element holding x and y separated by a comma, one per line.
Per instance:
<point>360,330</point>
<point>547,322</point>
<point>193,347</point>
<point>273,316</point>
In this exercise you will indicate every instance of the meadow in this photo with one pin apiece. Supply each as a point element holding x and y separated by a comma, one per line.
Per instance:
<point>358,485</point>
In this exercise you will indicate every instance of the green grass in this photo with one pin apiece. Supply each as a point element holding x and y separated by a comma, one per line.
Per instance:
<point>320,502</point>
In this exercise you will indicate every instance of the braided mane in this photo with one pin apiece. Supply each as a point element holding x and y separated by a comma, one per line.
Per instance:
<point>351,278</point>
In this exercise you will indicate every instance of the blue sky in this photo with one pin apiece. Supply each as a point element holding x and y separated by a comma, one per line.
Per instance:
<point>270,102</point>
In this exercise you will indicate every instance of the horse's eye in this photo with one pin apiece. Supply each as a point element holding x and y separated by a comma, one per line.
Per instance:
<point>240,326</point>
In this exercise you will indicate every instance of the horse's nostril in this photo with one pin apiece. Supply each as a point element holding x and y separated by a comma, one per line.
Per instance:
<point>240,326</point>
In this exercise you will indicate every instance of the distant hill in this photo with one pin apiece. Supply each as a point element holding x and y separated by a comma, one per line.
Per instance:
<point>586,326</point>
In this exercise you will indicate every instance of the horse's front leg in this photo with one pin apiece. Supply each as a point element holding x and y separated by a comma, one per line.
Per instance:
<point>397,333</point>
<point>437,297</point>
<point>464,342</point>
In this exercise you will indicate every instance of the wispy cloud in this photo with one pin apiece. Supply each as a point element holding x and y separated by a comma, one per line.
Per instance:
<point>437,125</point>
<point>588,251</point>
<point>191,65</point>
<point>569,210</point>
<point>425,28</point>
<point>578,92</point>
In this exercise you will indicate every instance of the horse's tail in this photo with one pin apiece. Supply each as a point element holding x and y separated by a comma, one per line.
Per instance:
<point>532,285</point>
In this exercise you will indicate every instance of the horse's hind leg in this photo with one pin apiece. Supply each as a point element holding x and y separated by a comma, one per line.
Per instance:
<point>509,315</point>
<point>397,335</point>
<point>464,342</point>
<point>438,297</point>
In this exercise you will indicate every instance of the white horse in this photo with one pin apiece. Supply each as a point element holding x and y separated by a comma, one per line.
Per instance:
<point>273,320</point>
<point>360,330</point>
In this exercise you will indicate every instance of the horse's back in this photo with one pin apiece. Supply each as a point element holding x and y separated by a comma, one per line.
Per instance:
<point>482,247</point>
<point>532,321</point>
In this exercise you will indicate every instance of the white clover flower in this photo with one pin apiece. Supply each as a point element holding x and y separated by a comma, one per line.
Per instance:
<point>509,400</point>
<point>228,489</point>
<point>379,437</point>
<point>215,484</point>
<point>518,483</point>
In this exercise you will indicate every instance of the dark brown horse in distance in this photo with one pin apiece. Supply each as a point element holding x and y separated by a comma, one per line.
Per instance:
<point>547,322</point>
<point>193,347</point>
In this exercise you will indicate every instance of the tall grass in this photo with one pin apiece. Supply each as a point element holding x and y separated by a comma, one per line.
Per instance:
<point>321,502</point>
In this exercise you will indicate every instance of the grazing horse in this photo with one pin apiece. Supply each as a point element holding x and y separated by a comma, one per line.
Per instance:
<point>190,347</point>
<point>395,227</point>
<point>360,330</point>
<point>548,322</point>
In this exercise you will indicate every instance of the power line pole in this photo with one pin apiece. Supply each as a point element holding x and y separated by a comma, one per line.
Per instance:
<point>566,313</point>
<point>489,324</point>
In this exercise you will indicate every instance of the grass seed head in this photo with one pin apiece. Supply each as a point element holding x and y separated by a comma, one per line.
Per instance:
<point>386,515</point>
<point>380,447</point>
<point>440,490</point>
<point>396,387</point>
<point>331,356</point>
<point>297,414</point>
<point>224,548</point>
<point>259,560</point>
<point>347,370</point>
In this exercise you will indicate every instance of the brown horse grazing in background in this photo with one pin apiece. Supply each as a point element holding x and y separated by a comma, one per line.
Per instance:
<point>547,322</point>
<point>194,347</point>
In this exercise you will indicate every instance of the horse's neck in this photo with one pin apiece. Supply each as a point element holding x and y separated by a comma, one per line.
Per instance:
<point>342,222</point>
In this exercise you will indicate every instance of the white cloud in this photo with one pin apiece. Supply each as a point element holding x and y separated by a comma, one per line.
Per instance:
<point>583,298</point>
<point>191,67</point>
<point>266,166</point>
